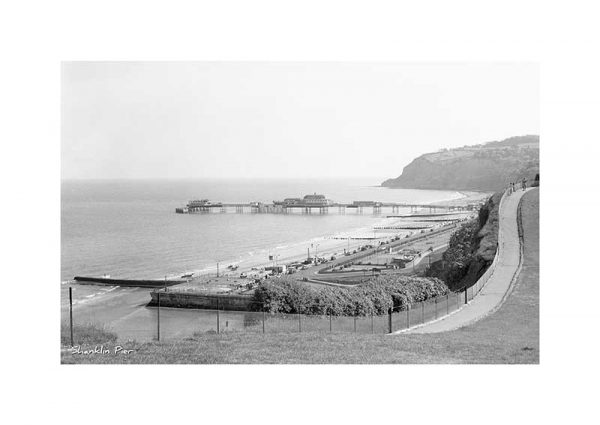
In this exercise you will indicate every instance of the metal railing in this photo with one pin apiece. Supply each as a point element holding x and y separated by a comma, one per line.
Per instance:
<point>166,323</point>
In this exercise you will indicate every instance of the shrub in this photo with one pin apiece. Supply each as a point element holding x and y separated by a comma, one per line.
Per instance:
<point>375,296</point>
<point>471,248</point>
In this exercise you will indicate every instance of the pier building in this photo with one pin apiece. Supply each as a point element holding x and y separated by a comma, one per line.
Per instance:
<point>318,202</point>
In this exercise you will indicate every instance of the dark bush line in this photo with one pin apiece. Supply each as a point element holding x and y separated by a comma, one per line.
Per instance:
<point>377,296</point>
<point>471,249</point>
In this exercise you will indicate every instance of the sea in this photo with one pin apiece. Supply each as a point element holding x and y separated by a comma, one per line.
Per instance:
<point>129,228</point>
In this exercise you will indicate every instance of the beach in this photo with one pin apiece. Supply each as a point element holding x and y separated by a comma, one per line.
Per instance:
<point>131,231</point>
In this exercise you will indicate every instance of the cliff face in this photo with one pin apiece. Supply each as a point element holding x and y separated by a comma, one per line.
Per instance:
<point>471,249</point>
<point>487,167</point>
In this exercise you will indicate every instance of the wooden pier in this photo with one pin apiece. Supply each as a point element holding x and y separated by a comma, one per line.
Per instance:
<point>375,208</point>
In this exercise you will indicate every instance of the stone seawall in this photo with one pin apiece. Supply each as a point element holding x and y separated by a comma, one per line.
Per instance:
<point>202,301</point>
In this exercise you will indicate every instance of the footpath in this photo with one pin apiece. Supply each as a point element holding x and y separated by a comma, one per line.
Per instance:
<point>500,282</point>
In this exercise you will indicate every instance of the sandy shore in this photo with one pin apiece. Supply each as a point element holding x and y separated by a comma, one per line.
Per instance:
<point>325,246</point>
<point>468,198</point>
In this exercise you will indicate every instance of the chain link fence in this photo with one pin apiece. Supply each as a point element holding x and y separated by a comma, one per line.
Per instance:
<point>169,324</point>
<point>160,323</point>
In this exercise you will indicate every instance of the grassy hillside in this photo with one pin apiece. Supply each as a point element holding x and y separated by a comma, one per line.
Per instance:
<point>485,167</point>
<point>510,335</point>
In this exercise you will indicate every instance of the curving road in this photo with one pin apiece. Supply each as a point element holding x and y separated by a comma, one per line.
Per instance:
<point>500,282</point>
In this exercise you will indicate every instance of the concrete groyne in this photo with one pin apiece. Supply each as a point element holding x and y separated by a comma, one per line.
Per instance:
<point>140,283</point>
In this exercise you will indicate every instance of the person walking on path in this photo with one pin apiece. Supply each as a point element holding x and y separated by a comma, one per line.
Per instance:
<point>523,184</point>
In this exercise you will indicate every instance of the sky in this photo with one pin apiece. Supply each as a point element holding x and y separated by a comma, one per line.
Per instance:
<point>283,119</point>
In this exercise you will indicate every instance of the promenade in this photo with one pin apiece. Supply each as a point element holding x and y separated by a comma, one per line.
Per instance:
<point>500,282</point>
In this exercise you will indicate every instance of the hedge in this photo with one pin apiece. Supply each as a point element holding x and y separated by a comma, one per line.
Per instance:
<point>286,295</point>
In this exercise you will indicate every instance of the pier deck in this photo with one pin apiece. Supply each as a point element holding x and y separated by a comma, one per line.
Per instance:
<point>340,208</point>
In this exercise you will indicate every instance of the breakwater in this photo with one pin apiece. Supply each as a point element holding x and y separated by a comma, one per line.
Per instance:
<point>139,283</point>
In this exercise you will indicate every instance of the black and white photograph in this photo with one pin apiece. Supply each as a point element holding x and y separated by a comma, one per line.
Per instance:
<point>280,212</point>
<point>299,212</point>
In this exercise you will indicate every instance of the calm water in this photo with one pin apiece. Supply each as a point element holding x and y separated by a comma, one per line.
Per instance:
<point>129,228</point>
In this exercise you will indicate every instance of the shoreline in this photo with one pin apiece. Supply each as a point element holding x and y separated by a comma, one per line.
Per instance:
<point>358,236</point>
<point>323,246</point>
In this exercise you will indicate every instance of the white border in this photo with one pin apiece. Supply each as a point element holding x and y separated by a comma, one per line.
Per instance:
<point>36,36</point>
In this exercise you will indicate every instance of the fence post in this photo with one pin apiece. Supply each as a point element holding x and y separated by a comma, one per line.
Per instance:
<point>466,299</point>
<point>71,313</point>
<point>264,320</point>
<point>447,303</point>
<point>218,330</point>
<point>390,319</point>
<point>158,317</point>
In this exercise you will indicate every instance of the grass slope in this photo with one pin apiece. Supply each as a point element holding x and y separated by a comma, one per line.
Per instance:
<point>511,335</point>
